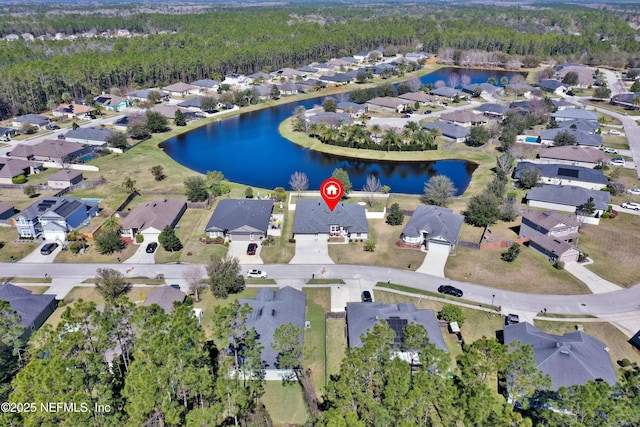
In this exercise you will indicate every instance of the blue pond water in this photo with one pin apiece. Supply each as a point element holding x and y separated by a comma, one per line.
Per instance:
<point>248,149</point>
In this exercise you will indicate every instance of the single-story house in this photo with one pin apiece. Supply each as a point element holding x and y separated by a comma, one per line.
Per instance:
<point>550,224</point>
<point>7,133</point>
<point>554,248</point>
<point>53,217</point>
<point>485,89</point>
<point>388,103</point>
<point>351,108</point>
<point>6,211</point>
<point>33,119</point>
<point>433,225</point>
<point>445,92</point>
<point>50,150</point>
<point>331,119</point>
<point>235,79</point>
<point>363,316</point>
<point>450,131</point>
<point>572,155</point>
<point>288,88</point>
<point>310,85</point>
<point>419,97</point>
<point>13,167</point>
<point>625,100</point>
<point>74,111</point>
<point>165,297</point>
<point>464,118</point>
<point>585,74</point>
<point>580,125</point>
<point>361,56</point>
<point>262,92</point>
<point>181,89</point>
<point>575,114</point>
<point>240,219</point>
<point>260,77</point>
<point>635,340</point>
<point>571,359</point>
<point>313,219</point>
<point>111,102</point>
<point>560,174</point>
<point>552,86</point>
<point>206,85</point>
<point>583,138</point>
<point>193,103</point>
<point>307,69</point>
<point>338,63</point>
<point>269,310</point>
<point>33,309</point>
<point>520,89</point>
<point>143,94</point>
<point>562,104</point>
<point>567,198</point>
<point>492,110</point>
<point>337,80</point>
<point>288,73</point>
<point>169,111</point>
<point>416,56</point>
<point>90,136</point>
<point>149,219</point>
<point>123,123</point>
<point>64,178</point>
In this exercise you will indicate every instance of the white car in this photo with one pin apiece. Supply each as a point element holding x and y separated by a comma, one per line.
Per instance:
<point>634,191</point>
<point>610,150</point>
<point>618,161</point>
<point>256,274</point>
<point>614,132</point>
<point>631,205</point>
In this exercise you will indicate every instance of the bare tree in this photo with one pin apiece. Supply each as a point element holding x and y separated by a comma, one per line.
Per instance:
<point>194,276</point>
<point>438,190</point>
<point>454,79</point>
<point>440,83</point>
<point>518,79</point>
<point>372,186</point>
<point>413,84</point>
<point>504,165</point>
<point>465,79</point>
<point>299,181</point>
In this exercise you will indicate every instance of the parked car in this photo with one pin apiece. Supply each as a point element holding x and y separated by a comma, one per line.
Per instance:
<point>366,296</point>
<point>511,319</point>
<point>251,249</point>
<point>634,191</point>
<point>450,290</point>
<point>618,161</point>
<point>175,286</point>
<point>428,112</point>
<point>256,274</point>
<point>48,248</point>
<point>631,205</point>
<point>614,132</point>
<point>151,247</point>
<point>610,150</point>
<point>406,116</point>
<point>52,127</point>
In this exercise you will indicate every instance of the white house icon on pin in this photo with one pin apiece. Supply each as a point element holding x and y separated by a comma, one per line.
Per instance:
<point>331,190</point>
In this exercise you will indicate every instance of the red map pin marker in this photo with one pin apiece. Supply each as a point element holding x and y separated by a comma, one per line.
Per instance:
<point>331,191</point>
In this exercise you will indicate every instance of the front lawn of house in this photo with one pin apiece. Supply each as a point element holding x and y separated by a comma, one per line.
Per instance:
<point>10,248</point>
<point>92,256</point>
<point>283,250</point>
<point>318,303</point>
<point>285,403</point>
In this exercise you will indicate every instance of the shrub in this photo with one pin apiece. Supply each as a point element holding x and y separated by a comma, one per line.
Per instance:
<point>292,240</point>
<point>583,257</point>
<point>559,265</point>
<point>370,246</point>
<point>512,253</point>
<point>452,313</point>
<point>75,247</point>
<point>606,215</point>
<point>20,179</point>
<point>624,363</point>
<point>139,238</point>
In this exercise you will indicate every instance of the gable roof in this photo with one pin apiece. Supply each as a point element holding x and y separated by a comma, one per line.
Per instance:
<point>362,316</point>
<point>573,153</point>
<point>583,138</point>
<point>559,171</point>
<point>241,216</point>
<point>313,216</point>
<point>10,167</point>
<point>350,106</point>
<point>157,213</point>
<point>34,119</point>
<point>271,309</point>
<point>569,195</point>
<point>59,206</point>
<point>330,118</point>
<point>440,223</point>
<point>90,134</point>
<point>550,219</point>
<point>450,130</point>
<point>65,175</point>
<point>576,114</point>
<point>463,116</point>
<point>570,359</point>
<point>164,296</point>
<point>179,87</point>
<point>551,245</point>
<point>23,302</point>
<point>446,92</point>
<point>207,83</point>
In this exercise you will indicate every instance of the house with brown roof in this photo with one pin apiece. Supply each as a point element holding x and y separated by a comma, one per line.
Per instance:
<point>50,150</point>
<point>420,97</point>
<point>388,103</point>
<point>551,224</point>
<point>73,110</point>
<point>149,219</point>
<point>181,89</point>
<point>464,118</point>
<point>65,178</point>
<point>169,111</point>
<point>165,296</point>
<point>6,211</point>
<point>574,155</point>
<point>111,102</point>
<point>555,249</point>
<point>11,168</point>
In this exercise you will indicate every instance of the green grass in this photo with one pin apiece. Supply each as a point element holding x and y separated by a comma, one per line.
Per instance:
<point>134,280</point>
<point>318,303</point>
<point>26,279</point>
<point>282,251</point>
<point>92,256</point>
<point>336,344</point>
<point>431,294</point>
<point>260,281</point>
<point>325,282</point>
<point>35,290</point>
<point>208,302</point>
<point>9,248</point>
<point>284,403</point>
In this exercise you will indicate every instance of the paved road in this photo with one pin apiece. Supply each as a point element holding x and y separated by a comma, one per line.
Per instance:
<point>623,301</point>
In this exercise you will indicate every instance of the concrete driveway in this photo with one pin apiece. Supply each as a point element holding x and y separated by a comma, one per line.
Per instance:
<point>435,260</point>
<point>141,256</point>
<point>238,249</point>
<point>312,250</point>
<point>36,257</point>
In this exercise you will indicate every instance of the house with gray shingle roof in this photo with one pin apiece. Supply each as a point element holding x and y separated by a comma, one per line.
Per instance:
<point>552,86</point>
<point>11,168</point>
<point>149,219</point>
<point>419,96</point>
<point>64,178</point>
<point>575,114</point>
<point>165,297</point>
<point>181,89</point>
<point>351,107</point>
<point>91,136</point>
<point>313,218</point>
<point>445,92</point>
<point>33,310</point>
<point>449,130</point>
<point>308,69</point>
<point>50,150</point>
<point>625,100</point>
<point>143,94</point>
<point>485,89</point>
<point>33,119</point>
<point>555,249</point>
<point>560,174</point>
<point>567,198</point>
<point>492,110</point>
<point>6,211</point>
<point>388,103</point>
<point>464,118</point>
<point>338,79</point>
<point>271,309</point>
<point>433,225</point>
<point>240,219</point>
<point>331,119</point>
<point>111,102</point>
<point>570,359</point>
<point>6,133</point>
<point>574,155</point>
<point>580,125</point>
<point>53,217</point>
<point>583,138</point>
<point>206,84</point>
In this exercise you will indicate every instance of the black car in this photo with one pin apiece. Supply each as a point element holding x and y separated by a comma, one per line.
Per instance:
<point>151,247</point>
<point>511,319</point>
<point>48,248</point>
<point>175,286</point>
<point>366,296</point>
<point>450,290</point>
<point>52,127</point>
<point>251,249</point>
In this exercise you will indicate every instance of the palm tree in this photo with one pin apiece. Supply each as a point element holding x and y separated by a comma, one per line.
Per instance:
<point>314,129</point>
<point>391,139</point>
<point>129,185</point>
<point>636,102</point>
<point>111,224</point>
<point>376,129</point>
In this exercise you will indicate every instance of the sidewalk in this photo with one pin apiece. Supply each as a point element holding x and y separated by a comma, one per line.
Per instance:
<point>596,284</point>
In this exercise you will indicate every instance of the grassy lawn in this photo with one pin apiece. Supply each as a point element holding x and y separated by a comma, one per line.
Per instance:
<point>619,348</point>
<point>93,256</point>
<point>282,251</point>
<point>35,290</point>
<point>325,282</point>
<point>614,247</point>
<point>284,403</point>
<point>385,254</point>
<point>208,302</point>
<point>336,344</point>
<point>318,303</point>
<point>27,280</point>
<point>111,196</point>
<point>615,141</point>
<point>402,288</point>
<point>531,272</point>
<point>19,200</point>
<point>405,201</point>
<point>10,248</point>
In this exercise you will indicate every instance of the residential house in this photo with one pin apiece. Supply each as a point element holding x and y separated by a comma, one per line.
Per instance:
<point>51,150</point>
<point>554,249</point>
<point>625,100</point>
<point>143,94</point>
<point>363,316</point>
<point>123,122</point>
<point>485,89</point>
<point>445,92</point>
<point>90,136</point>
<point>448,130</point>
<point>307,69</point>
<point>433,225</point>
<point>111,102</point>
<point>259,77</point>
<point>570,359</point>
<point>206,85</point>
<point>552,86</point>
<point>560,174</point>
<point>310,85</point>
<point>65,178</point>
<point>192,104</point>
<point>288,88</point>
<point>11,168</point>
<point>181,89</point>
<point>583,138</point>
<point>419,97</point>
<point>416,56</point>
<point>352,108</point>
<point>240,219</point>
<point>314,220</point>
<point>561,104</point>
<point>361,56</point>
<point>331,119</point>
<point>337,80</point>
<point>165,297</point>
<point>6,133</point>
<point>520,89</point>
<point>549,224</point>
<point>169,111</point>
<point>262,92</point>
<point>585,74</point>
<point>288,73</point>
<point>567,198</point>
<point>464,118</point>
<point>575,114</point>
<point>149,219</point>
<point>6,211</point>
<point>572,155</point>
<point>269,310</point>
<point>585,126</point>
<point>339,63</point>
<point>492,110</point>
<point>74,111</point>
<point>31,119</point>
<point>382,68</point>
<point>53,217</point>
<point>33,309</point>
<point>387,103</point>
<point>235,79</point>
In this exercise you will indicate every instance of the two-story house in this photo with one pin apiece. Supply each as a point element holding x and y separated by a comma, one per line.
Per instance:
<point>552,234</point>
<point>53,217</point>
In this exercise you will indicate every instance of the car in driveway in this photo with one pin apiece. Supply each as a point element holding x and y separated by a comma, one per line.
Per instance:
<point>406,116</point>
<point>614,132</point>
<point>634,191</point>
<point>631,205</point>
<point>252,248</point>
<point>48,248</point>
<point>610,150</point>
<point>511,319</point>
<point>52,127</point>
<point>151,247</point>
<point>618,161</point>
<point>450,290</point>
<point>366,296</point>
<point>256,274</point>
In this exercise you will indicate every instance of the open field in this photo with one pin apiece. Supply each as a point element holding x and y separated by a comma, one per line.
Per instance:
<point>284,403</point>
<point>614,247</point>
<point>336,344</point>
<point>10,248</point>
<point>318,303</point>
<point>531,272</point>
<point>19,200</point>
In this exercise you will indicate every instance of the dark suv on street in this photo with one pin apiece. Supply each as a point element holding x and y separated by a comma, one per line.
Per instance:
<point>450,290</point>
